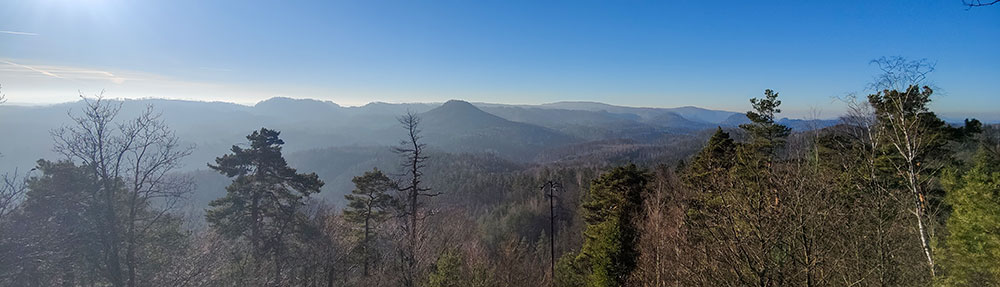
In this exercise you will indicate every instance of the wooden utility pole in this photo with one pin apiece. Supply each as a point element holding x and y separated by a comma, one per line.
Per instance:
<point>549,188</point>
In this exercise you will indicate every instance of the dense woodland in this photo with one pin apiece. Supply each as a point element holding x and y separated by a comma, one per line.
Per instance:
<point>890,196</point>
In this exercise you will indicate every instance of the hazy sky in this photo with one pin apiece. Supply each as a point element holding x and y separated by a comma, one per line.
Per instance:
<point>714,54</point>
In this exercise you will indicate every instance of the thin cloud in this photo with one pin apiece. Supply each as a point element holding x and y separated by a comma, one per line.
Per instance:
<point>43,72</point>
<point>215,69</point>
<point>68,73</point>
<point>18,33</point>
<point>41,83</point>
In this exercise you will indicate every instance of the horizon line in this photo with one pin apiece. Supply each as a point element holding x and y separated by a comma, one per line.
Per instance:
<point>28,104</point>
<point>988,120</point>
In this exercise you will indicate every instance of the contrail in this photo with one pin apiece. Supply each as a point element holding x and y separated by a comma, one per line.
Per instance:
<point>18,33</point>
<point>44,72</point>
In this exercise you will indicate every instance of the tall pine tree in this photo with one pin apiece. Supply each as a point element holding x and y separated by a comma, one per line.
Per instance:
<point>708,177</point>
<point>609,247</point>
<point>766,135</point>
<point>263,203</point>
<point>52,238</point>
<point>368,206</point>
<point>972,248</point>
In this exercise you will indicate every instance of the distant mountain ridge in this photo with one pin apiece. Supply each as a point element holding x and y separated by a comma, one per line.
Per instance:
<point>462,127</point>
<point>516,132</point>
<point>688,112</point>
<point>339,142</point>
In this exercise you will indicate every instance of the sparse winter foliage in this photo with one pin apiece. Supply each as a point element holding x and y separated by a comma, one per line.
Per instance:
<point>891,195</point>
<point>414,154</point>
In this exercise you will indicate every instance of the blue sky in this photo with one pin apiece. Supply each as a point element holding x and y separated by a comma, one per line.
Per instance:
<point>713,54</point>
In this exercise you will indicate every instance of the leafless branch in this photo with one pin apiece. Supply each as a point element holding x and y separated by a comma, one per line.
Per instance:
<point>899,73</point>
<point>12,188</point>
<point>133,160</point>
<point>979,3</point>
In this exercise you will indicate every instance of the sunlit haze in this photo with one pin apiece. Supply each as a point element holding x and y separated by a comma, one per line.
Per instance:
<point>489,143</point>
<point>712,55</point>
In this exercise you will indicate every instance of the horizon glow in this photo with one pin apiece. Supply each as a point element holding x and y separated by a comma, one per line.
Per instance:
<point>711,55</point>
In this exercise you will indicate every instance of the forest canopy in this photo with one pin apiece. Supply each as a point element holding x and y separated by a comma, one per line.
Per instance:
<point>889,194</point>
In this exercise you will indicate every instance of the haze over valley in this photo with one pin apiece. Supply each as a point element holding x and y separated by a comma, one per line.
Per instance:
<point>192,143</point>
<point>349,138</point>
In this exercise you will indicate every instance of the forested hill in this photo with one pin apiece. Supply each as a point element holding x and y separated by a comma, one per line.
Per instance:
<point>462,196</point>
<point>338,142</point>
<point>516,132</point>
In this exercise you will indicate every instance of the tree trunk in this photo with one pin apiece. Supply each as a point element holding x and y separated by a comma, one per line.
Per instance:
<point>130,258</point>
<point>411,260</point>
<point>923,239</point>
<point>329,276</point>
<point>365,244</point>
<point>919,213</point>
<point>277,265</point>
<point>111,237</point>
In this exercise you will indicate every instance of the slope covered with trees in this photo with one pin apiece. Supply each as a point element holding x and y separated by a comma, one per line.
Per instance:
<point>889,196</point>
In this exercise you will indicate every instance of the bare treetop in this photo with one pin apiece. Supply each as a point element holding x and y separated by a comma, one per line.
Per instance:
<point>133,161</point>
<point>979,3</point>
<point>899,73</point>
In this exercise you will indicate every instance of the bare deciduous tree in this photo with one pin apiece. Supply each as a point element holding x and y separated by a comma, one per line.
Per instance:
<point>902,117</point>
<point>873,217</point>
<point>202,262</point>
<point>414,161</point>
<point>11,191</point>
<point>979,3</point>
<point>910,131</point>
<point>899,73</point>
<point>133,161</point>
<point>662,246</point>
<point>12,188</point>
